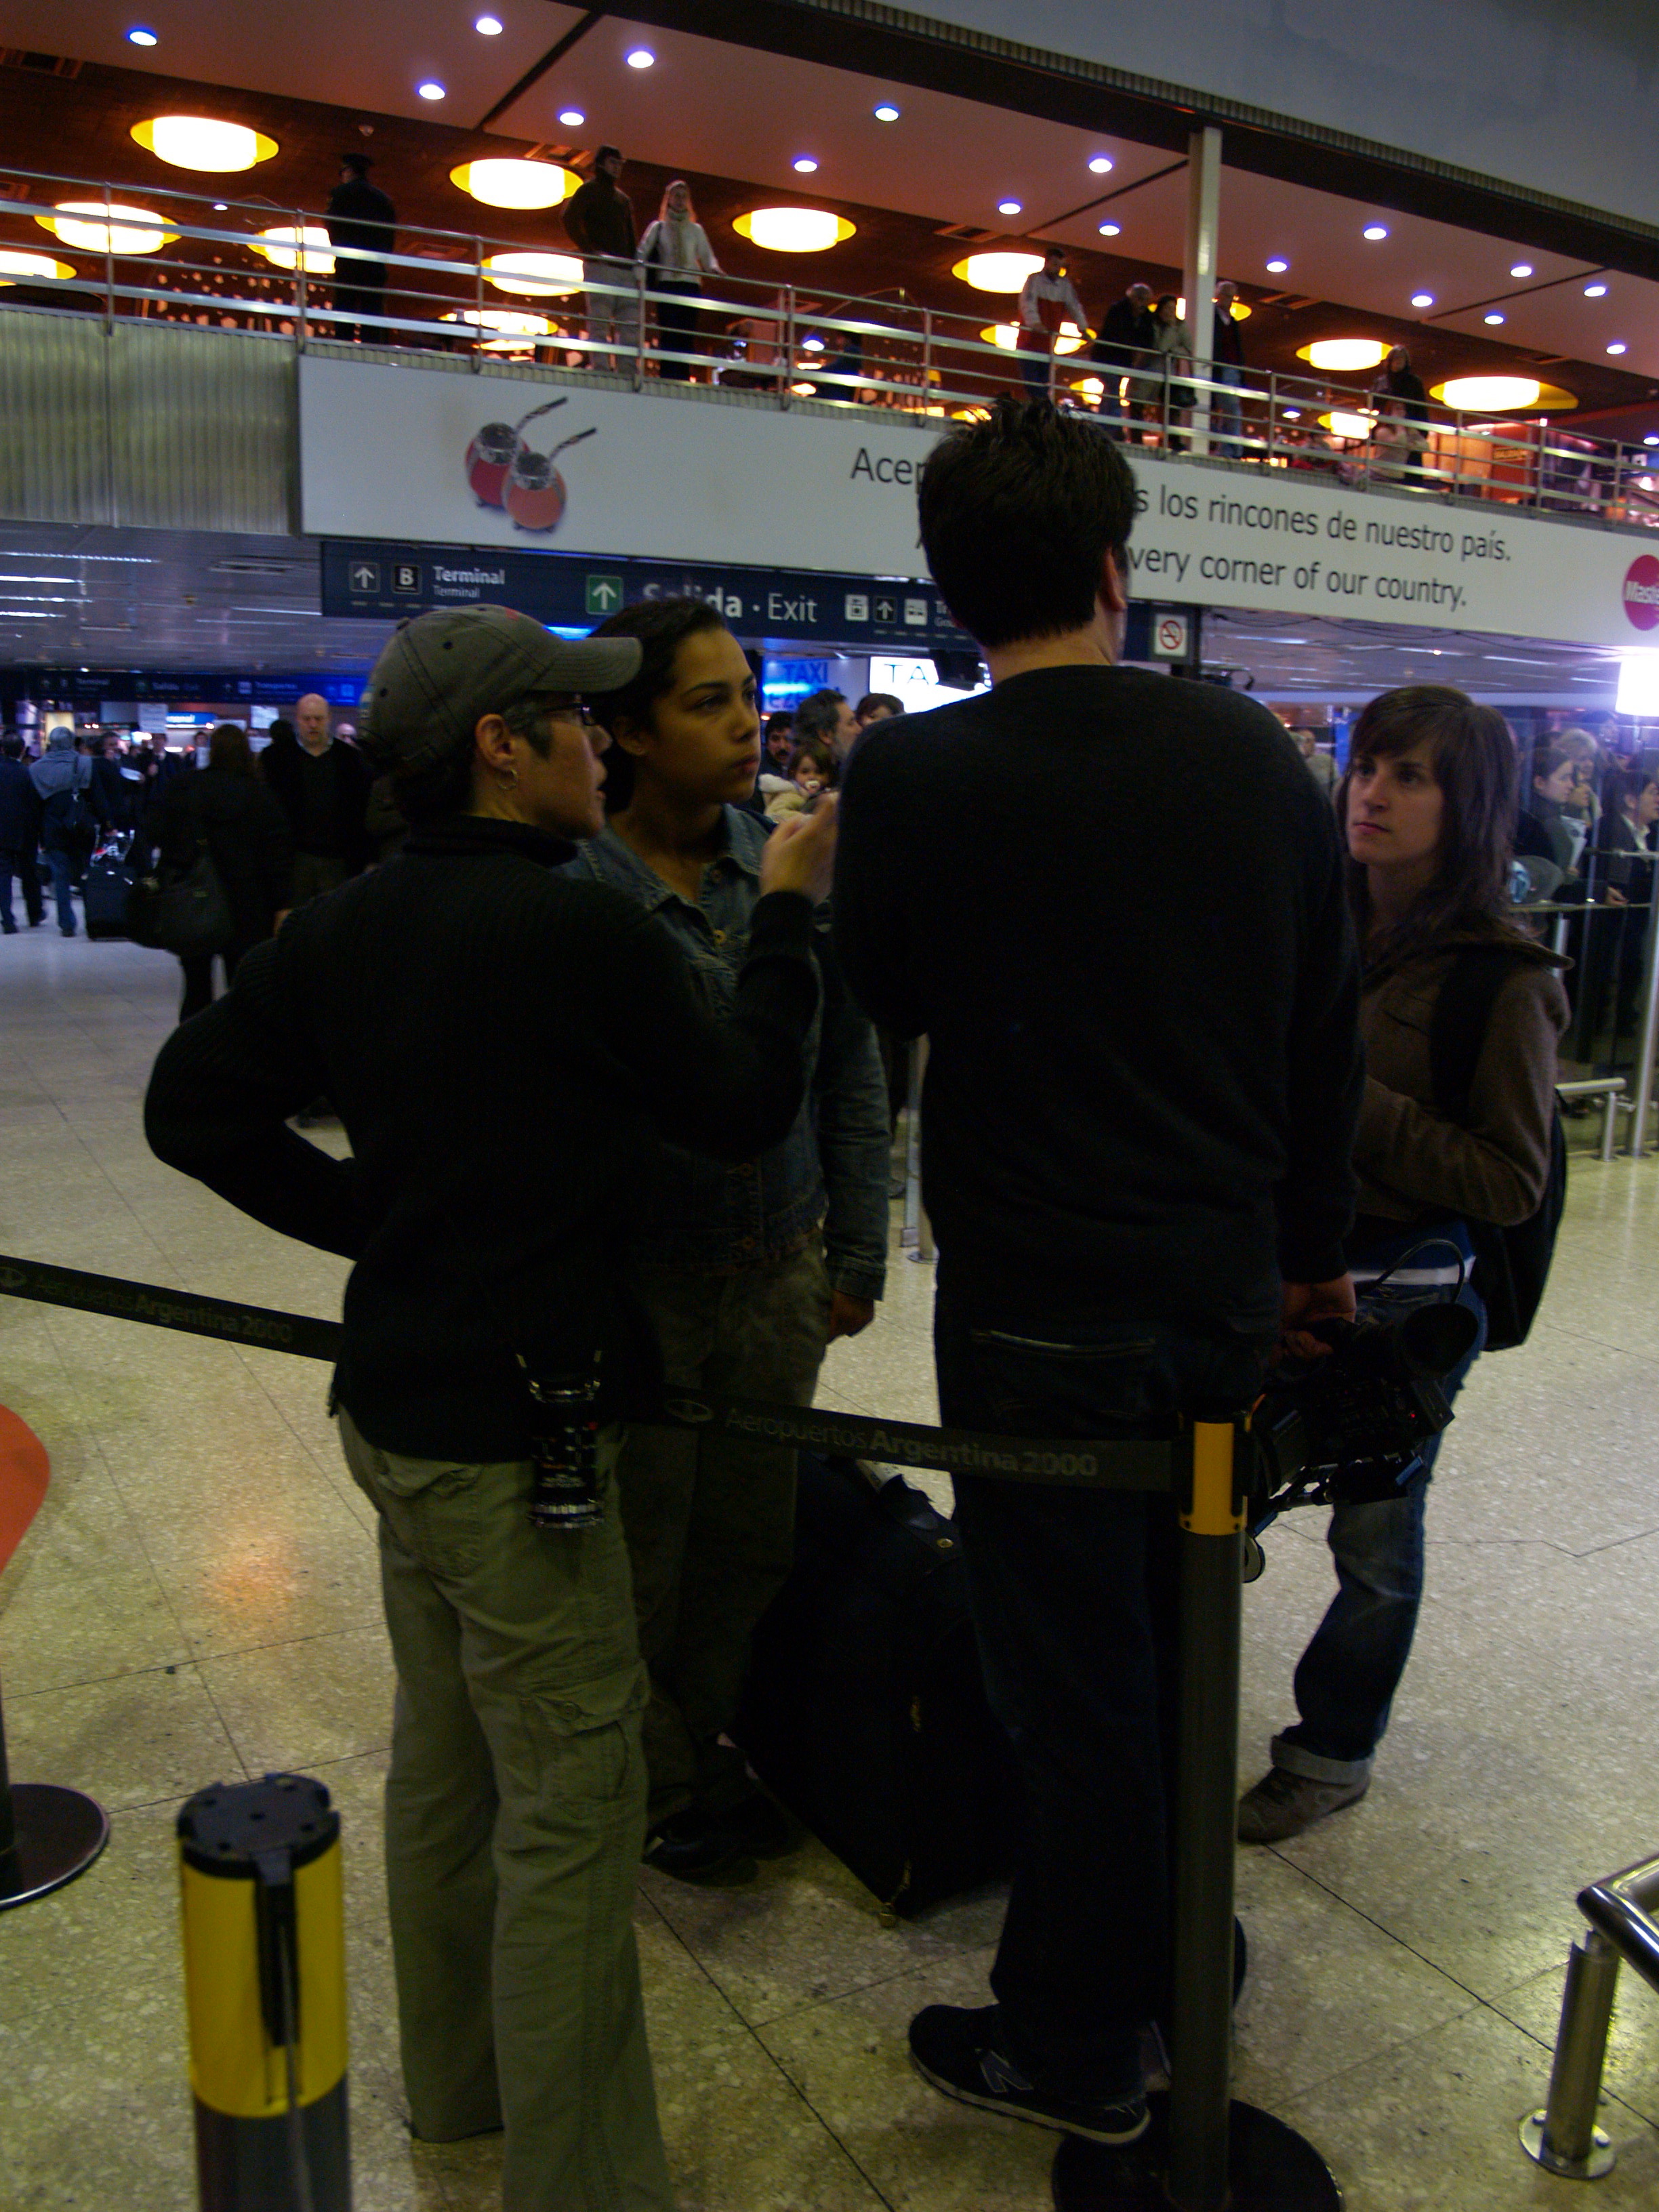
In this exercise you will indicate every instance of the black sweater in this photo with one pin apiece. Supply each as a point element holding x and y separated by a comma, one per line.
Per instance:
<point>1113,902</point>
<point>493,1037</point>
<point>246,833</point>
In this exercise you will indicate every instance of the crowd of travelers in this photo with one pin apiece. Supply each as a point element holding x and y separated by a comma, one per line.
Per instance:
<point>605,941</point>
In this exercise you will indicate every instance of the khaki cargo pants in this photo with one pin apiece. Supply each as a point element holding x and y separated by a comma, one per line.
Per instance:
<point>515,1817</point>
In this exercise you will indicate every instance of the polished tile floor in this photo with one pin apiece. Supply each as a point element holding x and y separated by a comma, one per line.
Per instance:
<point>196,1599</point>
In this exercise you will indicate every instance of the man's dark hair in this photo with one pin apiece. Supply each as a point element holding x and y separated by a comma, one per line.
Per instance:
<point>11,746</point>
<point>359,164</point>
<point>877,703</point>
<point>662,626</point>
<point>1018,515</point>
<point>282,732</point>
<point>228,748</point>
<point>607,153</point>
<point>817,717</point>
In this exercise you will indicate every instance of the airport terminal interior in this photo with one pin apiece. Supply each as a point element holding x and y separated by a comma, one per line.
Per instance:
<point>1394,423</point>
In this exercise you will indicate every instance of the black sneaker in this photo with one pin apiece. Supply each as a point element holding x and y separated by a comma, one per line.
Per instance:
<point>695,1847</point>
<point>955,2047</point>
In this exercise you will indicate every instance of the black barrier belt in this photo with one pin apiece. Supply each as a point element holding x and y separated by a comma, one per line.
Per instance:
<point>1083,1463</point>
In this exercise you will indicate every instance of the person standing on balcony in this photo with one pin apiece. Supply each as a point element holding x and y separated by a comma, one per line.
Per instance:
<point>362,226</point>
<point>676,255</point>
<point>1227,366</point>
<point>1047,300</point>
<point>599,222</point>
<point>1127,342</point>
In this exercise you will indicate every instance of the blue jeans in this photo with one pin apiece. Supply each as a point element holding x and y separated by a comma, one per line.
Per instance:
<point>1073,1594</point>
<point>62,865</point>
<point>1346,1678</point>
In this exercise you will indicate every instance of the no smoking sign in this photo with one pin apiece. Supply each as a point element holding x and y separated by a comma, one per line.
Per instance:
<point>1169,637</point>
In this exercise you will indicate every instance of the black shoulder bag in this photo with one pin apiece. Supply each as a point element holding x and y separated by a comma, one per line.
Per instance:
<point>180,906</point>
<point>1511,1266</point>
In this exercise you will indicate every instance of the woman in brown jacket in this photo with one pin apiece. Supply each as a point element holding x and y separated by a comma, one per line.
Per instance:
<point>1428,805</point>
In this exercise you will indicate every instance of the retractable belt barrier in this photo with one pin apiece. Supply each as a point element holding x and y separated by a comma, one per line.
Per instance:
<point>1205,2153</point>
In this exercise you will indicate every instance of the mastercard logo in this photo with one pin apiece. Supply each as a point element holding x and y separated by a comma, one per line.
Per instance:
<point>1641,591</point>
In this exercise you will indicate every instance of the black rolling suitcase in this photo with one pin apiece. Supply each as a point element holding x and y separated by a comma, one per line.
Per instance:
<point>865,1710</point>
<point>108,885</point>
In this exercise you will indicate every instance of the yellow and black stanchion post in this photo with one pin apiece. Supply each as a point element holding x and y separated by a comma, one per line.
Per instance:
<point>1206,2153</point>
<point>264,1976</point>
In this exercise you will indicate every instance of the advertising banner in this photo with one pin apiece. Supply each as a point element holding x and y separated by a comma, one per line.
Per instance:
<point>442,458</point>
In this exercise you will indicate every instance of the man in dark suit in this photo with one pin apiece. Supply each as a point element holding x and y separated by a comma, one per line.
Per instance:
<point>322,784</point>
<point>362,226</point>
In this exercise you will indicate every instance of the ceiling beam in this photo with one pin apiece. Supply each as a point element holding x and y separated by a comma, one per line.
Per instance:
<point>550,60</point>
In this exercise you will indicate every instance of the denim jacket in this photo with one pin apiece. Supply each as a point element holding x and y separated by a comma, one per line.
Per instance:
<point>832,1167</point>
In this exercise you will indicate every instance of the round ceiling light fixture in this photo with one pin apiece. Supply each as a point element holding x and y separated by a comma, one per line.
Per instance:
<point>536,276</point>
<point>1277,267</point>
<point>641,57</point>
<point>17,267</point>
<point>793,230</point>
<point>1067,339</point>
<point>1618,346</point>
<point>1111,229</point>
<point>1595,291</point>
<point>998,272</point>
<point>117,229</point>
<point>141,35</point>
<point>1342,424</point>
<point>488,26</point>
<point>1010,207</point>
<point>1520,268</point>
<point>200,142</point>
<point>572,117</point>
<point>1422,298</point>
<point>308,254</point>
<point>511,183</point>
<point>1100,166</point>
<point>1502,395</point>
<point>887,112</point>
<point>1494,318</point>
<point>803,166</point>
<point>1345,353</point>
<point>1375,232</point>
<point>429,88</point>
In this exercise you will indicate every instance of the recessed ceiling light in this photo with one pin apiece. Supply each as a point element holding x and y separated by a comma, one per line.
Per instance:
<point>14,264</point>
<point>1502,395</point>
<point>572,117</point>
<point>138,36</point>
<point>198,142</point>
<point>221,207</point>
<point>1376,230</point>
<point>1344,352</point>
<point>1493,317</point>
<point>1595,291</point>
<point>1652,438</point>
<point>1521,268</point>
<point>489,26</point>
<point>1343,424</point>
<point>538,276</point>
<point>998,272</point>
<point>1277,267</point>
<point>1111,229</point>
<point>280,248</point>
<point>1100,166</point>
<point>1422,298</point>
<point>511,183</point>
<point>804,165</point>
<point>1618,346</point>
<point>887,112</point>
<point>429,88</point>
<point>117,229</point>
<point>793,230</point>
<point>1009,207</point>
<point>641,57</point>
<point>1292,414</point>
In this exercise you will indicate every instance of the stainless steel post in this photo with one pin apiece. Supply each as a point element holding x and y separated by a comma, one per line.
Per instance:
<point>639,327</point>
<point>788,376</point>
<point>1564,2137</point>
<point>478,304</point>
<point>1199,275</point>
<point>109,263</point>
<point>1610,1125</point>
<point>927,354</point>
<point>1647,1037</point>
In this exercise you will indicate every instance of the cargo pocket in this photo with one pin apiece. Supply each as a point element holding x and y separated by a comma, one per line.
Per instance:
<point>435,1509</point>
<point>576,1747</point>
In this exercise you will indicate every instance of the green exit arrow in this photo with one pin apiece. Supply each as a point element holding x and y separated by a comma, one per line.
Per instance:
<point>604,594</point>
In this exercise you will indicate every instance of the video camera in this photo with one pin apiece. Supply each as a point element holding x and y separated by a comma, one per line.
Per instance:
<point>1350,1428</point>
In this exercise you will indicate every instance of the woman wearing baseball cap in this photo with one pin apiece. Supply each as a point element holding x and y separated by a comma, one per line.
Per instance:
<point>498,1039</point>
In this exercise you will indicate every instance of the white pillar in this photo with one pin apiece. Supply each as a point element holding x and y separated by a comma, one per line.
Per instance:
<point>1199,271</point>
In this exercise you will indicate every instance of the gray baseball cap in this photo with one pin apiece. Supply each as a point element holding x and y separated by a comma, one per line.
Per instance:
<point>441,671</point>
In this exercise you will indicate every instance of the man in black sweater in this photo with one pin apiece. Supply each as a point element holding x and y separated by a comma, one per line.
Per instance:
<point>497,1038</point>
<point>1127,941</point>
<point>599,221</point>
<point>362,226</point>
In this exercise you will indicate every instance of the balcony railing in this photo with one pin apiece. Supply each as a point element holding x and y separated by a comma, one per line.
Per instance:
<point>90,247</point>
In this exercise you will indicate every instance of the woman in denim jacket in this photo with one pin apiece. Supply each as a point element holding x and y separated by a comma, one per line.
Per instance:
<point>748,1272</point>
<point>1428,807</point>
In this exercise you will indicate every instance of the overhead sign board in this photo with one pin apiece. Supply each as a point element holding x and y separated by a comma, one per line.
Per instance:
<point>425,456</point>
<point>800,607</point>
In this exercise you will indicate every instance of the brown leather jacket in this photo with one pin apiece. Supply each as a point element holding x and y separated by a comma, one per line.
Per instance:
<point>1412,1166</point>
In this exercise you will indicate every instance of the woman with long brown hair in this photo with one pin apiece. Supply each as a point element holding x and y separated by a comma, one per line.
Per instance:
<point>1428,807</point>
<point>676,255</point>
<point>225,807</point>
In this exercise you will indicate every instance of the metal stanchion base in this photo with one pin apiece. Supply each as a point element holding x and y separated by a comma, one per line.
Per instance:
<point>60,1833</point>
<point>1600,2162</point>
<point>1270,2168</point>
